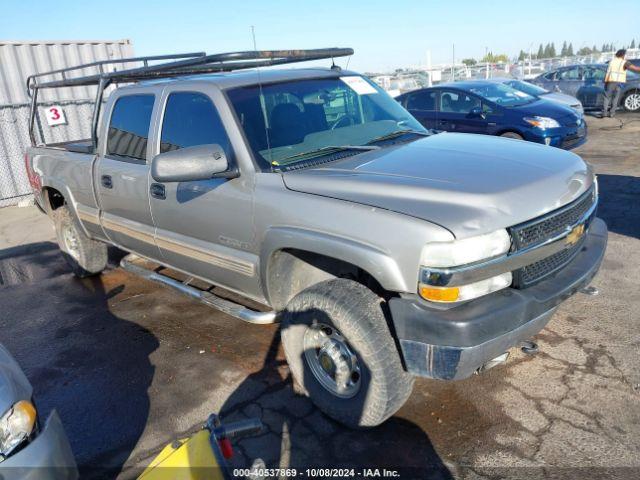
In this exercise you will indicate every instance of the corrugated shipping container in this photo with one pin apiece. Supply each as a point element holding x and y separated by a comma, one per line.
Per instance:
<point>18,60</point>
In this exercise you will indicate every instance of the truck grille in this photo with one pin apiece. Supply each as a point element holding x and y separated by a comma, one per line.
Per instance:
<point>547,227</point>
<point>535,272</point>
<point>540,230</point>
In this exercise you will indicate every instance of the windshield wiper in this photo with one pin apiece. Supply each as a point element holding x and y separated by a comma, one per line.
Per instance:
<point>397,133</point>
<point>323,151</point>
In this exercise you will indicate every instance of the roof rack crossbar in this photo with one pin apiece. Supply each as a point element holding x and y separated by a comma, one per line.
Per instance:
<point>32,80</point>
<point>226,62</point>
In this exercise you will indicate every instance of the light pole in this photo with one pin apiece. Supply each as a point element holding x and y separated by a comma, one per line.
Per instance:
<point>486,61</point>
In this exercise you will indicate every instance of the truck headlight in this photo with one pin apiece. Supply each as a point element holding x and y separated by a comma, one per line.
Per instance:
<point>542,122</point>
<point>465,292</point>
<point>463,252</point>
<point>15,426</point>
<point>467,250</point>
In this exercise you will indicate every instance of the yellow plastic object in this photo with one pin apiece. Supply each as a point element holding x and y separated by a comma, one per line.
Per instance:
<point>187,459</point>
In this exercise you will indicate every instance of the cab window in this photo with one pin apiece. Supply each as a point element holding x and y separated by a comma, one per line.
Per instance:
<point>129,127</point>
<point>191,119</point>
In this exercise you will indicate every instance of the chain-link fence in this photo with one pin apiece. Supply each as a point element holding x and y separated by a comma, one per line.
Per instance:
<point>14,140</point>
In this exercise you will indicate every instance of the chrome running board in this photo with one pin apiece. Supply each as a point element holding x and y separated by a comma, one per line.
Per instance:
<point>226,306</point>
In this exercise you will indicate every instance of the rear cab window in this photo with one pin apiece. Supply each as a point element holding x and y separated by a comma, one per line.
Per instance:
<point>128,133</point>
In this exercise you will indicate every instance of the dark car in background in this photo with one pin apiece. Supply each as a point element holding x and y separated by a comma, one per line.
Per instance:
<point>586,83</point>
<point>490,108</point>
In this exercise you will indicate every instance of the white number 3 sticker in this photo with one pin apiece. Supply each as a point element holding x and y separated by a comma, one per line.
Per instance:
<point>55,115</point>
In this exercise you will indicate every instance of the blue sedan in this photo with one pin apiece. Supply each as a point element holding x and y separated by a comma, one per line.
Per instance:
<point>491,108</point>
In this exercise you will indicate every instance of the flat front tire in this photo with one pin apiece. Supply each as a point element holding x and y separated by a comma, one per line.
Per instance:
<point>342,354</point>
<point>85,256</point>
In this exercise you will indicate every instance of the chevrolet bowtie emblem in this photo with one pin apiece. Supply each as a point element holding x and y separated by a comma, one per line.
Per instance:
<point>574,235</point>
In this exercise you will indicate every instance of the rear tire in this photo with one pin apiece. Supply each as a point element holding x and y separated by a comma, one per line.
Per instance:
<point>513,135</point>
<point>631,101</point>
<point>85,256</point>
<point>342,354</point>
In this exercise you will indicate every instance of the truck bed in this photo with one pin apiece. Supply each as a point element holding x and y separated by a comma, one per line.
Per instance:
<point>78,146</point>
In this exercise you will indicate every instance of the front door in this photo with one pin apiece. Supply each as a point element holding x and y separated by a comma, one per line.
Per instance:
<point>569,80</point>
<point>204,227</point>
<point>122,176</point>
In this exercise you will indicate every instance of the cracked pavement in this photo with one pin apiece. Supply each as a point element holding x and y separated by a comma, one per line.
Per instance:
<point>131,365</point>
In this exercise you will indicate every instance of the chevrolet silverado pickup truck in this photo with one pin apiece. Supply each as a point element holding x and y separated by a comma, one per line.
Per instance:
<point>312,198</point>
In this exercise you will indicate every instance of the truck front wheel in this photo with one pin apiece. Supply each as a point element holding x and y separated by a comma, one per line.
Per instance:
<point>85,256</point>
<point>342,355</point>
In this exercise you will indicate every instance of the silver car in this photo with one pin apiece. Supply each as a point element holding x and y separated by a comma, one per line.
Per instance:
<point>28,449</point>
<point>536,91</point>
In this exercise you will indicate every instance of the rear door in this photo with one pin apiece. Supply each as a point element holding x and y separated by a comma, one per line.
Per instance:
<point>122,174</point>
<point>203,227</point>
<point>422,105</point>
<point>454,112</point>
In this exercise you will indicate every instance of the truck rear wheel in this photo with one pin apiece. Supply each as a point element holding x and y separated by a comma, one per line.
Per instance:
<point>342,354</point>
<point>85,256</point>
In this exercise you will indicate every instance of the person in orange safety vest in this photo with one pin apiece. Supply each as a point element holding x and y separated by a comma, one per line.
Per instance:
<point>614,79</point>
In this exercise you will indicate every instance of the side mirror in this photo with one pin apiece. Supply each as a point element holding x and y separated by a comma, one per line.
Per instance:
<point>201,162</point>
<point>477,112</point>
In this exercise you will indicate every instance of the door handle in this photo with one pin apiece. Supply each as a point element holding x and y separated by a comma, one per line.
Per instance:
<point>158,191</point>
<point>106,181</point>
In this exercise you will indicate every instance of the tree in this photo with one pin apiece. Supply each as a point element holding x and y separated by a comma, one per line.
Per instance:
<point>584,51</point>
<point>563,51</point>
<point>469,62</point>
<point>570,50</point>
<point>595,49</point>
<point>491,58</point>
<point>633,44</point>
<point>604,47</point>
<point>522,56</point>
<point>552,51</point>
<point>540,53</point>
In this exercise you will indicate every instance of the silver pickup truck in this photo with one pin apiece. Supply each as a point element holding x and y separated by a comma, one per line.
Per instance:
<point>387,252</point>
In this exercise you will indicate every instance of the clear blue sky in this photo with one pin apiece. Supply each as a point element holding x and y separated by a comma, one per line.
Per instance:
<point>385,34</point>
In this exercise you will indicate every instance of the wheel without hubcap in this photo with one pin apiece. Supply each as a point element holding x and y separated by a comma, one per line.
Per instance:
<point>331,360</point>
<point>71,242</point>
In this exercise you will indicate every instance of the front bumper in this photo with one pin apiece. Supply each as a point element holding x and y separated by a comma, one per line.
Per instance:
<point>562,137</point>
<point>47,457</point>
<point>453,343</point>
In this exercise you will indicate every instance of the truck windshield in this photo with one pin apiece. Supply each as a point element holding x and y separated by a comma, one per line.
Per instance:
<point>289,122</point>
<point>502,94</point>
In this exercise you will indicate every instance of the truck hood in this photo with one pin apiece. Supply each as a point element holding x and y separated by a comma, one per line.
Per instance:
<point>469,184</point>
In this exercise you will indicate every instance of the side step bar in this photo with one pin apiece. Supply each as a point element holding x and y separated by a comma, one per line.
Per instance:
<point>208,298</point>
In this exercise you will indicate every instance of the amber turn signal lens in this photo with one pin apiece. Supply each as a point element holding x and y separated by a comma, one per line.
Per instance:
<point>440,294</point>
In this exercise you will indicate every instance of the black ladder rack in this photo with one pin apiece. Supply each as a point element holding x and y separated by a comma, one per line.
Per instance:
<point>178,65</point>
